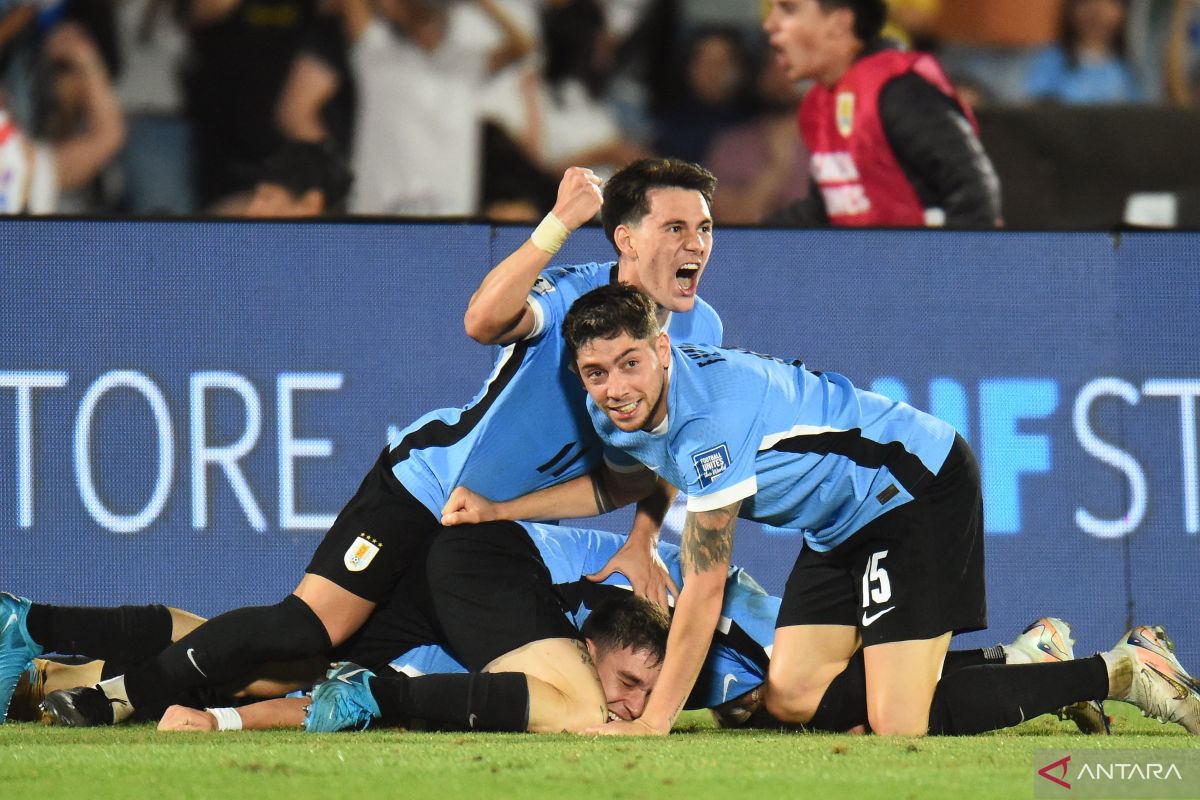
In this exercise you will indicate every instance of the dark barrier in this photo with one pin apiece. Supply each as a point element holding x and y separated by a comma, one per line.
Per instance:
<point>1075,167</point>
<point>185,406</point>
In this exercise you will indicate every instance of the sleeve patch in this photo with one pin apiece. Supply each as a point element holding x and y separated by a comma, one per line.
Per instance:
<point>710,463</point>
<point>542,285</point>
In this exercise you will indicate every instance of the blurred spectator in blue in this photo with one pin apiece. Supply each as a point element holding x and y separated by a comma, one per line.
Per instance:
<point>156,162</point>
<point>1088,65</point>
<point>761,165</point>
<point>1180,68</point>
<point>714,95</point>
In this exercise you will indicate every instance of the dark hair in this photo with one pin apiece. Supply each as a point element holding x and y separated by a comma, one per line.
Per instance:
<point>625,192</point>
<point>301,167</point>
<point>629,621</point>
<point>869,15</point>
<point>1068,34</point>
<point>606,313</point>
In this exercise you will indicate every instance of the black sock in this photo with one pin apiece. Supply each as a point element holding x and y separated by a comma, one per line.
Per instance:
<point>844,704</point>
<point>977,699</point>
<point>121,633</point>
<point>957,659</point>
<point>473,701</point>
<point>227,647</point>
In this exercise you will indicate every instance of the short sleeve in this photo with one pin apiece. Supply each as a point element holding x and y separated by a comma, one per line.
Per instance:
<point>717,454</point>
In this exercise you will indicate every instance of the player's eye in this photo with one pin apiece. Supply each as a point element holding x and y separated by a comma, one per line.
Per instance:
<point>706,228</point>
<point>631,364</point>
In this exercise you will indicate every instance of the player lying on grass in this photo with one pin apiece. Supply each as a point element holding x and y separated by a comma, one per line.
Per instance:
<point>729,683</point>
<point>525,430</point>
<point>890,505</point>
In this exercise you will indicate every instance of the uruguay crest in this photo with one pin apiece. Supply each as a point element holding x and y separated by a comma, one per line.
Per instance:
<point>845,113</point>
<point>360,554</point>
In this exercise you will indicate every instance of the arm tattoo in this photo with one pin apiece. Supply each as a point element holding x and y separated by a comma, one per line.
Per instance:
<point>604,501</point>
<point>708,538</point>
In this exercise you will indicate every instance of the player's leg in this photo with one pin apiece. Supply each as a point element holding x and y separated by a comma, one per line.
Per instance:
<point>377,535</point>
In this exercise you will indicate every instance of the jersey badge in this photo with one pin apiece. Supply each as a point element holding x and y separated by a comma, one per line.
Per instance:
<point>360,554</point>
<point>845,113</point>
<point>542,286</point>
<point>710,463</point>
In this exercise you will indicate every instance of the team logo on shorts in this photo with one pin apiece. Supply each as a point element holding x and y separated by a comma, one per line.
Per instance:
<point>845,113</point>
<point>710,463</point>
<point>360,554</point>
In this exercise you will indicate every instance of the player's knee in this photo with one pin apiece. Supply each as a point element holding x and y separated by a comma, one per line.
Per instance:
<point>899,721</point>
<point>795,704</point>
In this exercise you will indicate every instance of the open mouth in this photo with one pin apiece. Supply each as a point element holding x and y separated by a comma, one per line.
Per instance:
<point>623,411</point>
<point>612,716</point>
<point>686,277</point>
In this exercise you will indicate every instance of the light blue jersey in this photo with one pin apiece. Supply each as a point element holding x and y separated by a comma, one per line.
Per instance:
<point>737,661</point>
<point>802,450</point>
<point>528,427</point>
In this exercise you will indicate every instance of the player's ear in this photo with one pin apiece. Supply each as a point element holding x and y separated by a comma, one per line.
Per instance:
<point>623,238</point>
<point>591,648</point>
<point>662,348</point>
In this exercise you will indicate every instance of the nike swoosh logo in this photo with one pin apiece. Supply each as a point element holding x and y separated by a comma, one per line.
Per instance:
<point>471,721</point>
<point>345,676</point>
<point>729,678</point>
<point>192,658</point>
<point>868,619</point>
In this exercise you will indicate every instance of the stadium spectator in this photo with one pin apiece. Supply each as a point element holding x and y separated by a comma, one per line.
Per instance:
<point>1180,71</point>
<point>761,166</point>
<point>713,94</point>
<point>420,66</point>
<point>913,23</point>
<point>891,144</point>
<point>319,98</point>
<point>79,131</point>
<point>1088,64</point>
<point>301,179</point>
<point>156,162</point>
<point>241,51</point>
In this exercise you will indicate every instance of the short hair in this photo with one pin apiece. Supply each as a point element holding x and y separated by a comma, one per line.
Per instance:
<point>628,621</point>
<point>607,312</point>
<point>625,200</point>
<point>869,15</point>
<point>301,167</point>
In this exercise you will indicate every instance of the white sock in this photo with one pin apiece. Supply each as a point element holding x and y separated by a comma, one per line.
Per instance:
<point>114,690</point>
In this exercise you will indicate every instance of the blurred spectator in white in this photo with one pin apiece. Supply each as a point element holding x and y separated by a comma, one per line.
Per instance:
<point>79,129</point>
<point>1181,76</point>
<point>571,121</point>
<point>1088,65</point>
<point>713,95</point>
<point>420,66</point>
<point>241,51</point>
<point>156,162</point>
<point>762,165</point>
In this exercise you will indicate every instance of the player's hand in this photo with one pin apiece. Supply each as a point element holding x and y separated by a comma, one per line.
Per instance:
<point>182,718</point>
<point>620,727</point>
<point>638,560</point>
<point>579,197</point>
<point>465,507</point>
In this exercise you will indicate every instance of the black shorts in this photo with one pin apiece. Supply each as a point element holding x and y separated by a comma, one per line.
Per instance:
<point>484,591</point>
<point>914,573</point>
<point>380,533</point>
<point>492,593</point>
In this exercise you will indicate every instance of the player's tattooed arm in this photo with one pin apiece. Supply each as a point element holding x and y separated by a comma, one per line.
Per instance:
<point>708,539</point>
<point>584,656</point>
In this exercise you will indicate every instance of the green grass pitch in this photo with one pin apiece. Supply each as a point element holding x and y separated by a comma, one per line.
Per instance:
<point>38,763</point>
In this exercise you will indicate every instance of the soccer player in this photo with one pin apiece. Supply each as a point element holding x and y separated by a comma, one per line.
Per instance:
<point>526,429</point>
<point>889,501</point>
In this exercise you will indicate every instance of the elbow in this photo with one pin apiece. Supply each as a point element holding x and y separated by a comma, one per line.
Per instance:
<point>479,326</point>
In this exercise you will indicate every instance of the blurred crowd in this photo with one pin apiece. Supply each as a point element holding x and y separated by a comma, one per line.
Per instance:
<point>475,107</point>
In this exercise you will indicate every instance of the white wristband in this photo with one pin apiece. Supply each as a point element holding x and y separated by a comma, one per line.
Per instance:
<point>228,719</point>
<point>550,234</point>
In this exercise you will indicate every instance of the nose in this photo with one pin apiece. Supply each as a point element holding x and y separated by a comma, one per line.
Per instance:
<point>635,703</point>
